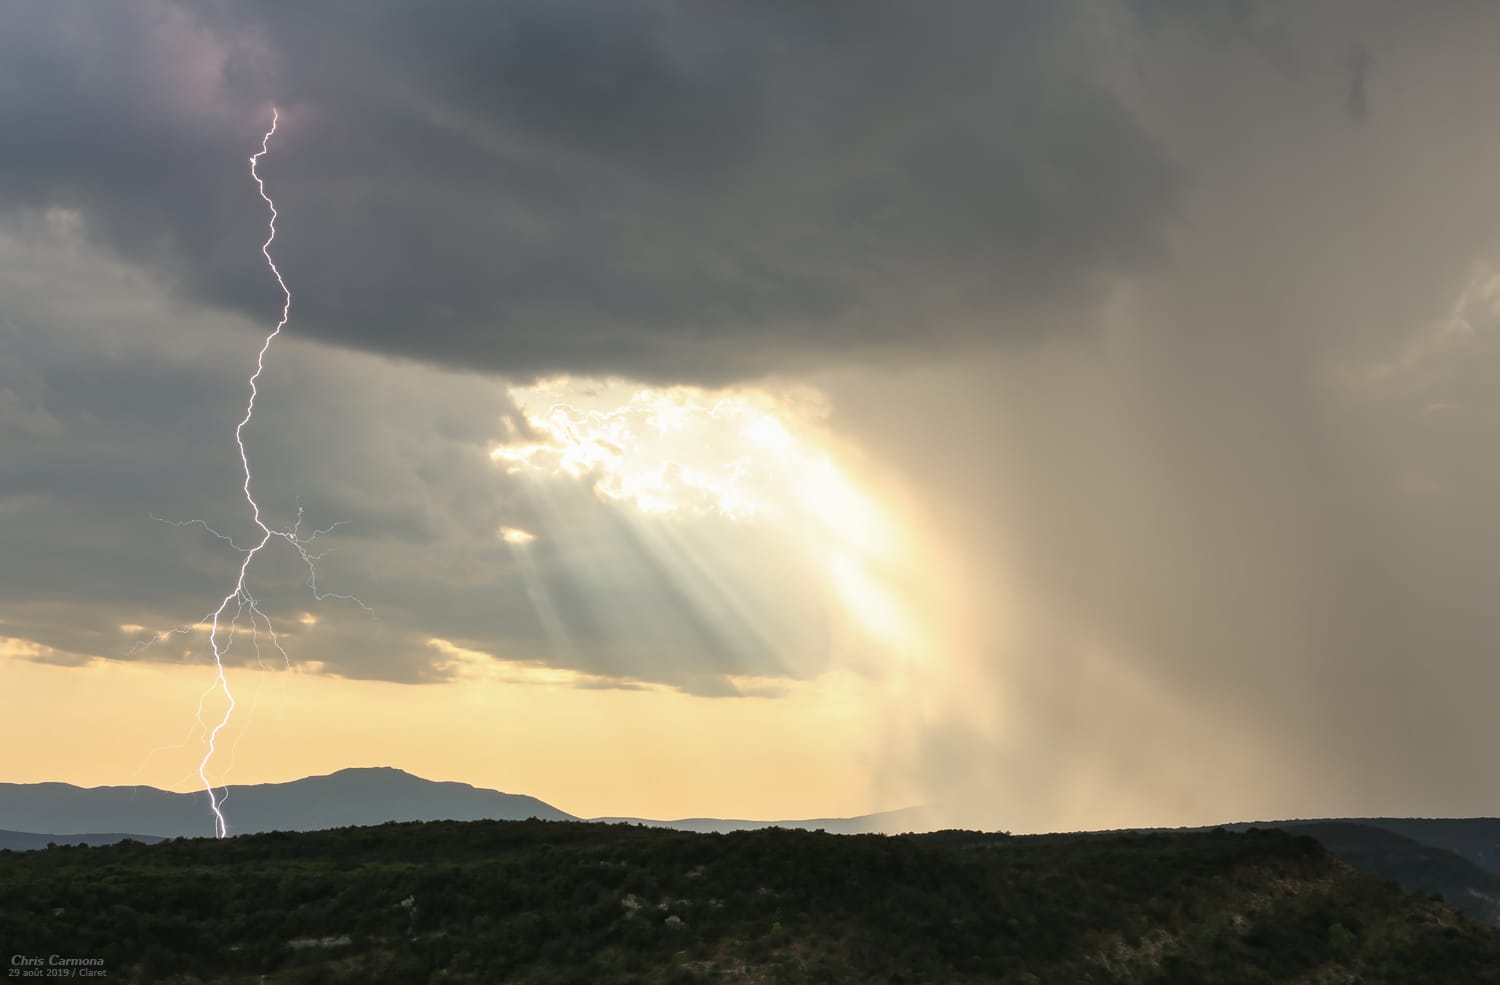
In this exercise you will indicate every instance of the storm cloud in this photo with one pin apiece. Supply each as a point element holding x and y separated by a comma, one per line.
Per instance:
<point>671,191</point>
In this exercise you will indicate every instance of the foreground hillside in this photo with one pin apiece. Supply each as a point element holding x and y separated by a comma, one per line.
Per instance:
<point>537,901</point>
<point>1418,867</point>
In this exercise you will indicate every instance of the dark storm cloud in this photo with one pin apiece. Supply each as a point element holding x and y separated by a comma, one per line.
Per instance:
<point>663,190</point>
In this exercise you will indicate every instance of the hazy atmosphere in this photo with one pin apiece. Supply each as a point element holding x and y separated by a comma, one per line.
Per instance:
<point>1063,415</point>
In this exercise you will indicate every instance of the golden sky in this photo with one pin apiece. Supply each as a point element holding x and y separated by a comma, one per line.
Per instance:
<point>655,753</point>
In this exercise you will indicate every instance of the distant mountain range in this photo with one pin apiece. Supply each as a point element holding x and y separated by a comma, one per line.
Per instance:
<point>348,797</point>
<point>1456,858</point>
<point>886,822</point>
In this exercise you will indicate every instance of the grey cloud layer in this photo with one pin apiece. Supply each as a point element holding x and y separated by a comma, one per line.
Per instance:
<point>120,406</point>
<point>658,189</point>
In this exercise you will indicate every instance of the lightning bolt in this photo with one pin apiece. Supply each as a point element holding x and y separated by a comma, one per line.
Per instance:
<point>241,595</point>
<point>239,603</point>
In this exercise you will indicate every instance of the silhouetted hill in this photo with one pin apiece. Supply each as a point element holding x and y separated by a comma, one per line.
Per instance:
<point>348,797</point>
<point>485,902</point>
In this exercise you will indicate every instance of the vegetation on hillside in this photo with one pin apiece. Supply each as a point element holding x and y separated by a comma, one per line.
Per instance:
<point>535,901</point>
<point>1421,868</point>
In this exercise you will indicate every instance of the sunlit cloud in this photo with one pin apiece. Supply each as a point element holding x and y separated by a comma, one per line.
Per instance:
<point>15,647</point>
<point>662,450</point>
<point>739,497</point>
<point>462,664</point>
<point>515,536</point>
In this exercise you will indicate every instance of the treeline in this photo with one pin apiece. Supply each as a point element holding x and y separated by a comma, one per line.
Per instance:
<point>534,901</point>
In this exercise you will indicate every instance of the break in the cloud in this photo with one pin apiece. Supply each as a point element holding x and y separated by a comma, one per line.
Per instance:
<point>119,409</point>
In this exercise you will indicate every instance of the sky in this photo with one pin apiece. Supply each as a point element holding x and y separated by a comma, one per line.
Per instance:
<point>1061,414</point>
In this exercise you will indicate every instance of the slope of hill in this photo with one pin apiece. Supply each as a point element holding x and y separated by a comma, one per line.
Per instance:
<point>545,902</point>
<point>348,797</point>
<point>1475,838</point>
<point>1417,867</point>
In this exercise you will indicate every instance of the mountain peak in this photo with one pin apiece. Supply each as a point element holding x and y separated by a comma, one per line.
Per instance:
<point>387,772</point>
